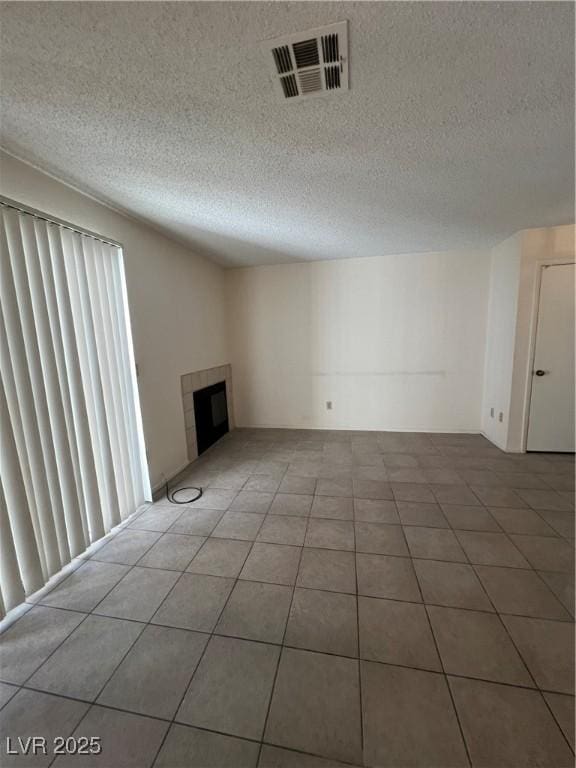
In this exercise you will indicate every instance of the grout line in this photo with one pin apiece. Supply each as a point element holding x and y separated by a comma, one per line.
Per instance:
<point>357,598</point>
<point>72,730</point>
<point>489,681</point>
<point>62,643</point>
<point>210,636</point>
<point>281,651</point>
<point>441,661</point>
<point>528,567</point>
<point>568,620</point>
<point>68,636</point>
<point>521,656</point>
<point>448,687</point>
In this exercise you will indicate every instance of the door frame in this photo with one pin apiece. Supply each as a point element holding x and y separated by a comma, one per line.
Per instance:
<point>539,266</point>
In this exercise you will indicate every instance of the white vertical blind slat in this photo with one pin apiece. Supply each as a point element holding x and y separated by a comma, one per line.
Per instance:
<point>124,364</point>
<point>106,362</point>
<point>25,543</point>
<point>42,522</point>
<point>60,375</point>
<point>54,331</point>
<point>73,456</point>
<point>22,363</point>
<point>11,587</point>
<point>86,341</point>
<point>120,396</point>
<point>71,370</point>
<point>60,444</point>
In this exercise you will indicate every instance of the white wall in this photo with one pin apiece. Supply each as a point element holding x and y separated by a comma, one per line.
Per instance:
<point>396,342</point>
<point>500,339</point>
<point>176,301</point>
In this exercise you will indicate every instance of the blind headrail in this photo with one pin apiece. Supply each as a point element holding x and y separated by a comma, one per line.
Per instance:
<point>15,205</point>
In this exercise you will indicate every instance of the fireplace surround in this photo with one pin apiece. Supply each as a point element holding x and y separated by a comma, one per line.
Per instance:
<point>193,383</point>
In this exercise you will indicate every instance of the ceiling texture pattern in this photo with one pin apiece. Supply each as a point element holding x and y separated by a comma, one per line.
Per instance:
<point>457,130</point>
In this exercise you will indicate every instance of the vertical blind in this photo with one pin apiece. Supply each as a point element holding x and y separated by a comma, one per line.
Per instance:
<point>73,463</point>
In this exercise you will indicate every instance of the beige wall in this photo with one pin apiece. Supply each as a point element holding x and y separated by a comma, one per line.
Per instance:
<point>500,339</point>
<point>176,301</point>
<point>395,342</point>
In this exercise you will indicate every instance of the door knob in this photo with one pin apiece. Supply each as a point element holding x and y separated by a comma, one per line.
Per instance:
<point>540,372</point>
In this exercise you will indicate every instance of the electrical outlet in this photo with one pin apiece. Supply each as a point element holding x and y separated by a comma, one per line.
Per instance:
<point>491,413</point>
<point>500,416</point>
<point>328,405</point>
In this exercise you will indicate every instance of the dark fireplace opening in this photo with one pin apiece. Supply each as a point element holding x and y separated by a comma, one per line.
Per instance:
<point>211,415</point>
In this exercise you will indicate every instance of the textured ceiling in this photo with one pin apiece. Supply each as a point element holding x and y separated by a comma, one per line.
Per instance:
<point>457,130</point>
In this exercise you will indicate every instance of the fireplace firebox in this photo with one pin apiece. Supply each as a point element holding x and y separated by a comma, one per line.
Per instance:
<point>211,415</point>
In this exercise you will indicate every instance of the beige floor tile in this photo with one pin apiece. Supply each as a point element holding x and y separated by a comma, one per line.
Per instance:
<point>547,647</point>
<point>187,747</point>
<point>256,611</point>
<point>508,727</point>
<point>473,644</point>
<point>388,577</point>
<point>231,688</point>
<point>396,633</point>
<point>221,557</point>
<point>451,584</point>
<point>155,673</point>
<point>274,563</point>
<point>521,592</point>
<point>83,663</point>
<point>133,740</point>
<point>409,719</point>
<point>316,706</point>
<point>323,621</point>
<point>327,569</point>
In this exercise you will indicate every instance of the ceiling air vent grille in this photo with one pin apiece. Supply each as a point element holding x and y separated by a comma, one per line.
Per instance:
<point>282,59</point>
<point>310,81</point>
<point>306,53</point>
<point>332,75</point>
<point>310,63</point>
<point>330,48</point>
<point>289,86</point>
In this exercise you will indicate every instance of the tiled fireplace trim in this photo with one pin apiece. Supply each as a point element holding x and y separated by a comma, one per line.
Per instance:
<point>191,382</point>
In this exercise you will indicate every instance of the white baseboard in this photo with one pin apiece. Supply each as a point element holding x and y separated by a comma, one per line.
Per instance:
<point>159,487</point>
<point>419,430</point>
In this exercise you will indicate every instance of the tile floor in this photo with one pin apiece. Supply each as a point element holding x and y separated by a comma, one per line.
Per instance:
<point>358,598</point>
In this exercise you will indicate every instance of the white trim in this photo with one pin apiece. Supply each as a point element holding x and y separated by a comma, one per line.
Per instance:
<point>539,266</point>
<point>412,430</point>
<point>162,484</point>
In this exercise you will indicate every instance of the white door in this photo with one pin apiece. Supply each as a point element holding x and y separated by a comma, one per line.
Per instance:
<point>551,425</point>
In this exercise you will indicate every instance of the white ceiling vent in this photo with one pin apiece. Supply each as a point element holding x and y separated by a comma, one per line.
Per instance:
<point>310,63</point>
